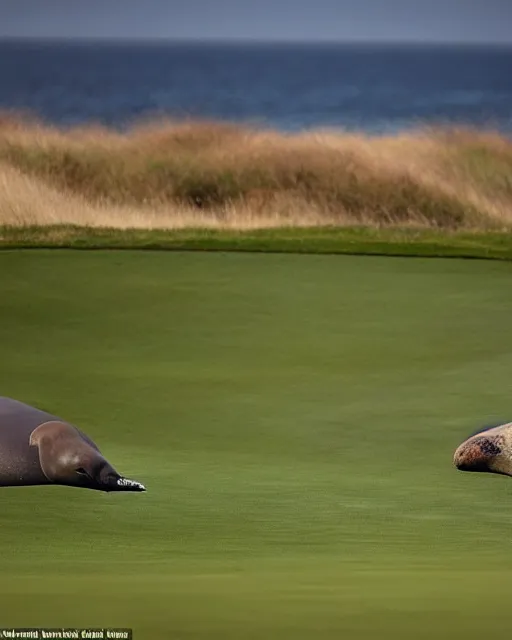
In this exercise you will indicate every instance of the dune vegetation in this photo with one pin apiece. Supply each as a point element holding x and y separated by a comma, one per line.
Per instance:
<point>213,175</point>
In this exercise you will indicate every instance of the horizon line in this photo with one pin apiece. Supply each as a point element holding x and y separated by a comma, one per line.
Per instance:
<point>255,41</point>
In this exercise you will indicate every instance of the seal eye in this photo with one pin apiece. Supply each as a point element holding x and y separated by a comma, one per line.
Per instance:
<point>82,472</point>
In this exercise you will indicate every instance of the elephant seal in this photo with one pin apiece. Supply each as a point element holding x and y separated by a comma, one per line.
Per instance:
<point>489,450</point>
<point>37,448</point>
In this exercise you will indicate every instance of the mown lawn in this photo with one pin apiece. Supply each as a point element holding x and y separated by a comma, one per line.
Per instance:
<point>294,419</point>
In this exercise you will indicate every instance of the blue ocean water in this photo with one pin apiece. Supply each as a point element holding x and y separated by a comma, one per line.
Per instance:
<point>376,88</point>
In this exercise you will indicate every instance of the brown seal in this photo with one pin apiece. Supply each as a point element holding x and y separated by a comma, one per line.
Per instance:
<point>487,451</point>
<point>37,448</point>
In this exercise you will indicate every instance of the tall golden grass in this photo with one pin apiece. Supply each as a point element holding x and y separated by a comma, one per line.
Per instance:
<point>168,174</point>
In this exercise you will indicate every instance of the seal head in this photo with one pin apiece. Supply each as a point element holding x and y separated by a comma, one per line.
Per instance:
<point>67,459</point>
<point>487,451</point>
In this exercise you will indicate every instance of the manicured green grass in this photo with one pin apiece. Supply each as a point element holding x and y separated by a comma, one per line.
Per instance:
<point>294,419</point>
<point>315,240</point>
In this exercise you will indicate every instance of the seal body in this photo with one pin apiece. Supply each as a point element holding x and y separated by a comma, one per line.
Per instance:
<point>487,451</point>
<point>37,448</point>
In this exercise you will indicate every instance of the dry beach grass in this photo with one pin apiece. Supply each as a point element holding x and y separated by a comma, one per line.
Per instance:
<point>172,175</point>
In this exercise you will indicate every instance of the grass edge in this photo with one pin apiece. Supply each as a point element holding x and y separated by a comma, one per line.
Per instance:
<point>398,242</point>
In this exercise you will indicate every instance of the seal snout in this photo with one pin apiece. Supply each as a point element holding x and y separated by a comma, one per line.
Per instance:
<point>477,455</point>
<point>108,479</point>
<point>125,484</point>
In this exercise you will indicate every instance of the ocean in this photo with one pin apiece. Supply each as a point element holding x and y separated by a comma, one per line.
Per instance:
<point>371,88</point>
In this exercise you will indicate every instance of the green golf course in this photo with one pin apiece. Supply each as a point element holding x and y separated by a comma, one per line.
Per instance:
<point>293,418</point>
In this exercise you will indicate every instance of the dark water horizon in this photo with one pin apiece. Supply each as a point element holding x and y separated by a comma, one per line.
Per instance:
<point>370,87</point>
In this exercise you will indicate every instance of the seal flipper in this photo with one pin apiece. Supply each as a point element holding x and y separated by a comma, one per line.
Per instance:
<point>60,450</point>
